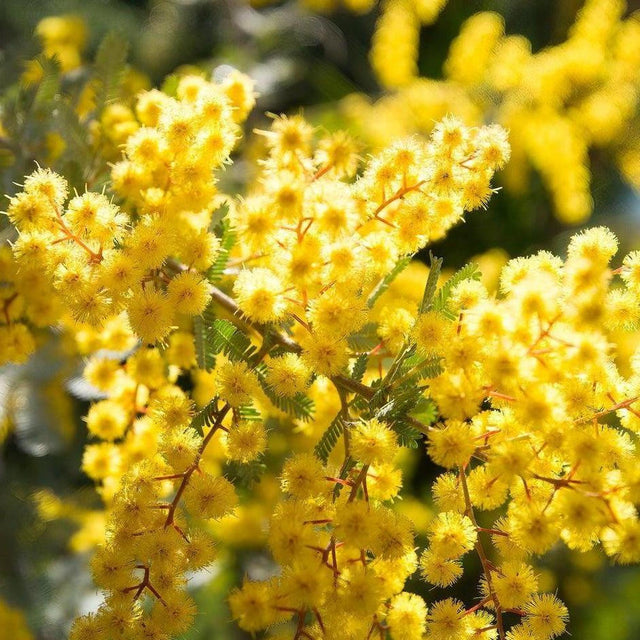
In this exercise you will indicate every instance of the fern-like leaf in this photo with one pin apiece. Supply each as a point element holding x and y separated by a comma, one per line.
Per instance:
<point>416,368</point>
<point>383,285</point>
<point>227,242</point>
<point>204,357</point>
<point>360,367</point>
<point>110,65</point>
<point>224,337</point>
<point>206,417</point>
<point>408,436</point>
<point>49,85</point>
<point>365,339</point>
<point>244,475</point>
<point>71,129</point>
<point>299,406</point>
<point>248,412</point>
<point>432,283</point>
<point>426,411</point>
<point>329,439</point>
<point>441,302</point>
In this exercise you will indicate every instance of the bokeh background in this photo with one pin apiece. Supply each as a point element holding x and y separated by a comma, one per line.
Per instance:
<point>308,56</point>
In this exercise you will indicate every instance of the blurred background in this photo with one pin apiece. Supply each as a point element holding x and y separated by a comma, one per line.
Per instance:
<point>576,162</point>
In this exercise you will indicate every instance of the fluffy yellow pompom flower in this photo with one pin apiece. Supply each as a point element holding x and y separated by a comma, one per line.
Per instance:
<point>432,331</point>
<point>101,460</point>
<point>303,476</point>
<point>305,585</point>
<point>546,616</point>
<point>107,419</point>
<point>208,497</point>
<point>150,315</point>
<point>259,295</point>
<point>514,584</point>
<point>253,606</point>
<point>451,535</point>
<point>237,383</point>
<point>49,186</point>
<point>288,375</point>
<point>439,571</point>
<point>452,445</point>
<point>407,617</point>
<point>447,620</point>
<point>353,523</point>
<point>188,293</point>
<point>16,343</point>
<point>246,440</point>
<point>372,442</point>
<point>324,355</point>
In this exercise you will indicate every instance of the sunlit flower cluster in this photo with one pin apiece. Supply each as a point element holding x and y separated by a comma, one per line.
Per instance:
<point>219,329</point>
<point>560,103</point>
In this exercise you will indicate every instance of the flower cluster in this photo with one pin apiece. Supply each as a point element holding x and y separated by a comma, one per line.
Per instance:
<point>218,327</point>
<point>558,103</point>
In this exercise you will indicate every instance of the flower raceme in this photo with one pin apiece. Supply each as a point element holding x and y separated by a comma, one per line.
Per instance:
<point>516,394</point>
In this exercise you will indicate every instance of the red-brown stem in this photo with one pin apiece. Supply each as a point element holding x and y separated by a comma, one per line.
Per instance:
<point>478,606</point>
<point>494,532</point>
<point>624,404</point>
<point>360,479</point>
<point>396,196</point>
<point>144,584</point>
<point>95,257</point>
<point>483,556</point>
<point>189,472</point>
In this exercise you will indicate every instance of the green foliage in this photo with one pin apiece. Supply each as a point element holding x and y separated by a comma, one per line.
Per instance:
<point>360,367</point>
<point>49,85</point>
<point>244,475</point>
<point>365,339</point>
<point>441,301</point>
<point>206,417</point>
<point>227,241</point>
<point>384,284</point>
<point>223,336</point>
<point>432,283</point>
<point>330,438</point>
<point>300,406</point>
<point>248,412</point>
<point>204,357</point>
<point>109,68</point>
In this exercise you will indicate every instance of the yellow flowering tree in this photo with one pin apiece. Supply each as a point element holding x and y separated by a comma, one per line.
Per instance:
<point>284,332</point>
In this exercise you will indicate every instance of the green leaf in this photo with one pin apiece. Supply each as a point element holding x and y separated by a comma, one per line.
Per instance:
<point>383,285</point>
<point>432,283</point>
<point>245,474</point>
<point>347,465</point>
<point>204,357</point>
<point>227,241</point>
<point>400,404</point>
<point>224,337</point>
<point>206,417</point>
<point>109,68</point>
<point>248,412</point>
<point>426,411</point>
<point>329,438</point>
<point>396,411</point>
<point>170,85</point>
<point>468,272</point>
<point>74,134</point>
<point>49,85</point>
<point>299,406</point>
<point>360,367</point>
<point>408,435</point>
<point>365,339</point>
<point>417,368</point>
